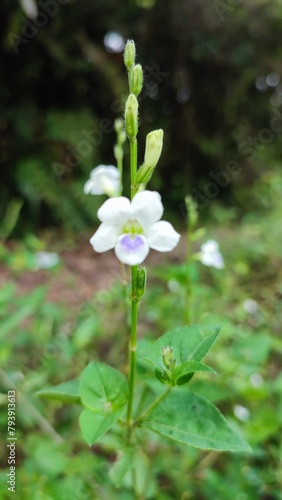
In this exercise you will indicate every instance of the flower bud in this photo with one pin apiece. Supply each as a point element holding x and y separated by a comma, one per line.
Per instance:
<point>129,54</point>
<point>118,125</point>
<point>192,211</point>
<point>154,145</point>
<point>131,117</point>
<point>122,137</point>
<point>141,281</point>
<point>167,355</point>
<point>136,79</point>
<point>118,152</point>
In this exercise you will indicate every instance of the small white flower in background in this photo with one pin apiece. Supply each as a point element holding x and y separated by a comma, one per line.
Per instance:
<point>104,179</point>
<point>210,255</point>
<point>173,285</point>
<point>256,380</point>
<point>132,228</point>
<point>30,8</point>
<point>250,306</point>
<point>46,260</point>
<point>241,413</point>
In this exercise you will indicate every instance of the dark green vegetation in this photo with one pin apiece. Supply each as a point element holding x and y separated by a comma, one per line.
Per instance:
<point>60,93</point>
<point>62,86</point>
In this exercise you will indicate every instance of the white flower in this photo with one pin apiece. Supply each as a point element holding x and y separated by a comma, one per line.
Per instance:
<point>132,228</point>
<point>250,306</point>
<point>256,380</point>
<point>104,179</point>
<point>241,413</point>
<point>46,260</point>
<point>210,255</point>
<point>30,8</point>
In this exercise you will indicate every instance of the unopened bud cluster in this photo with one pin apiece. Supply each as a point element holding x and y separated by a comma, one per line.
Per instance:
<point>154,140</point>
<point>121,138</point>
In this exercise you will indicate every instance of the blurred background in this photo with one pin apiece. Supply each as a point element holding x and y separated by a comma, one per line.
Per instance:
<point>213,82</point>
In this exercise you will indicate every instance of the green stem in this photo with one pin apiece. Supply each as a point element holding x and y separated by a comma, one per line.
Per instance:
<point>187,305</point>
<point>134,304</point>
<point>152,406</point>
<point>132,345</point>
<point>120,168</point>
<point>133,167</point>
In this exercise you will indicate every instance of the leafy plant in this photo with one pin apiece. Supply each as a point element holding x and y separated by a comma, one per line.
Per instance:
<point>108,398</point>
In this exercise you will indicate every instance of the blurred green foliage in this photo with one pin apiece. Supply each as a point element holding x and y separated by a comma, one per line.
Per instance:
<point>59,82</point>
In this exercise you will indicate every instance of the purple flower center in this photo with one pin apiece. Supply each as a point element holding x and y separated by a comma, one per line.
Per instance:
<point>131,242</point>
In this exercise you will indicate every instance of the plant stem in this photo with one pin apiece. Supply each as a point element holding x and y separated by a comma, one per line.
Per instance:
<point>187,295</point>
<point>120,168</point>
<point>132,346</point>
<point>152,406</point>
<point>134,303</point>
<point>133,167</point>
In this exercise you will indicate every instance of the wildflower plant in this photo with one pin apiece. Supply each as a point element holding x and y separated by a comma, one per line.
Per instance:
<point>118,399</point>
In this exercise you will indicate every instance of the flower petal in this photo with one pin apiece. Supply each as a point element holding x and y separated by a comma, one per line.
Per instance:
<point>103,179</point>
<point>91,187</point>
<point>108,169</point>
<point>132,250</point>
<point>147,207</point>
<point>105,238</point>
<point>162,236</point>
<point>210,246</point>
<point>115,211</point>
<point>212,259</point>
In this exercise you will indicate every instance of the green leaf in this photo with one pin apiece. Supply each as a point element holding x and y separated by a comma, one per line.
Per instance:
<point>122,464</point>
<point>102,388</point>
<point>188,343</point>
<point>191,419</point>
<point>104,393</point>
<point>67,392</point>
<point>93,425</point>
<point>182,373</point>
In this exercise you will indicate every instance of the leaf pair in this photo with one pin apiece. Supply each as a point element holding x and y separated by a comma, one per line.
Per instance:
<point>183,416</point>
<point>102,390</point>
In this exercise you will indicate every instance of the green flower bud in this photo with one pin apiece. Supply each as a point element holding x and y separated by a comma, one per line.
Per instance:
<point>122,137</point>
<point>136,79</point>
<point>167,355</point>
<point>131,117</point>
<point>118,125</point>
<point>192,212</point>
<point>129,54</point>
<point>154,145</point>
<point>141,281</point>
<point>118,152</point>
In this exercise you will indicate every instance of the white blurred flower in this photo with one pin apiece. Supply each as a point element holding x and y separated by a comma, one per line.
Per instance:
<point>30,8</point>
<point>104,179</point>
<point>132,228</point>
<point>210,255</point>
<point>256,380</point>
<point>173,285</point>
<point>241,413</point>
<point>46,260</point>
<point>250,306</point>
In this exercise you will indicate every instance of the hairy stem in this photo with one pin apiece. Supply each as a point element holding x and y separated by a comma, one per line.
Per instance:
<point>132,345</point>
<point>134,304</point>
<point>133,167</point>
